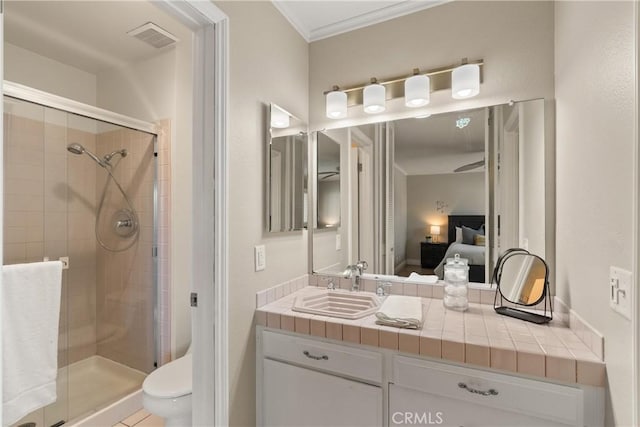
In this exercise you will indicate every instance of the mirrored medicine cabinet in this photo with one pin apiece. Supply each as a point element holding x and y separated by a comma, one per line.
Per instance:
<point>286,169</point>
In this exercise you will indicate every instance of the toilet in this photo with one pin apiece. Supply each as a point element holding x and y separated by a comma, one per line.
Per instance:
<point>166,392</point>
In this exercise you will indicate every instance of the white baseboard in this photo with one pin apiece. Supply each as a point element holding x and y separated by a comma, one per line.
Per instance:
<point>400,266</point>
<point>413,262</point>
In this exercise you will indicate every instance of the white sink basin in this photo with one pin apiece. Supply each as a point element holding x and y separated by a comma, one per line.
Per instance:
<point>342,304</point>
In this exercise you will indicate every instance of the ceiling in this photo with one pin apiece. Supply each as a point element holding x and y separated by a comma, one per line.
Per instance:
<point>316,20</point>
<point>89,35</point>
<point>436,145</point>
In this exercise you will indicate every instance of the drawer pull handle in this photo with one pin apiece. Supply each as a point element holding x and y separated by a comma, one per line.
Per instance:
<point>490,392</point>
<point>311,356</point>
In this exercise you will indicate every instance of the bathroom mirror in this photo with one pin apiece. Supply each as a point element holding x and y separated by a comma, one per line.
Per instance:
<point>286,170</point>
<point>523,281</point>
<point>410,186</point>
<point>327,181</point>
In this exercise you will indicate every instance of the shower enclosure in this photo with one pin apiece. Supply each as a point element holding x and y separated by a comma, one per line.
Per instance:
<point>84,190</point>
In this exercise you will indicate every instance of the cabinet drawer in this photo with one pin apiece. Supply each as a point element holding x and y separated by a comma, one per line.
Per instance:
<point>559,403</point>
<point>351,362</point>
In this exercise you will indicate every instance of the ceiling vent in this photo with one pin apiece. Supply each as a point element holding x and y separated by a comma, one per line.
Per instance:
<point>152,34</point>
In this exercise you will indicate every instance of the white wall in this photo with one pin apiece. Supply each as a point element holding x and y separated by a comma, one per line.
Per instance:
<point>39,72</point>
<point>463,193</point>
<point>595,84</point>
<point>399,216</point>
<point>531,177</point>
<point>269,62</point>
<point>154,89</point>
<point>515,39</point>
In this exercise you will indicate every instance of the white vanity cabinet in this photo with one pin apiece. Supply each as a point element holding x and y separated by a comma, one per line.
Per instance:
<point>306,381</point>
<point>309,383</point>
<point>426,393</point>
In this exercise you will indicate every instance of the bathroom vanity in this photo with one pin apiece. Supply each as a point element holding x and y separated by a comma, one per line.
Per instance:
<point>318,370</point>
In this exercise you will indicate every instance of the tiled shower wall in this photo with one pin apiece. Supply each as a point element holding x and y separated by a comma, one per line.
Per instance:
<point>49,212</point>
<point>125,283</point>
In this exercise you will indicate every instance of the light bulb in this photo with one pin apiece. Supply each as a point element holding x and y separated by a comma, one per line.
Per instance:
<point>465,81</point>
<point>279,118</point>
<point>374,97</point>
<point>336,104</point>
<point>416,91</point>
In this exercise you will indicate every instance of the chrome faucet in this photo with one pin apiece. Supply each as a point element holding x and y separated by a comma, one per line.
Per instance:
<point>354,272</point>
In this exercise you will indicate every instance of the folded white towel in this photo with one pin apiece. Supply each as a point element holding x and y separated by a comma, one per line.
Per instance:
<point>30,316</point>
<point>400,311</point>
<point>418,278</point>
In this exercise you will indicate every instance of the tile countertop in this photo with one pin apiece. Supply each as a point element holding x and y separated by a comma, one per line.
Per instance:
<point>478,337</point>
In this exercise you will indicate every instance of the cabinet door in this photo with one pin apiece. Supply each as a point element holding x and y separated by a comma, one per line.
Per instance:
<point>294,396</point>
<point>416,408</point>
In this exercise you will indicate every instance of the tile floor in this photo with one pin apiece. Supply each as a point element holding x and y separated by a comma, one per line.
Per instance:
<point>142,418</point>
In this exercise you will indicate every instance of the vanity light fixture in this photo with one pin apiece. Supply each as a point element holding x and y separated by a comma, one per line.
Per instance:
<point>464,81</point>
<point>374,97</point>
<point>279,118</point>
<point>336,104</point>
<point>417,90</point>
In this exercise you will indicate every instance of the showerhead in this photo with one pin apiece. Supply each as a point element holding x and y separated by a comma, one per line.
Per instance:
<point>76,148</point>
<point>109,156</point>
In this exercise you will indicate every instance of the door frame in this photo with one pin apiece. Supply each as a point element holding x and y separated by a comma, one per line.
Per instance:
<point>210,27</point>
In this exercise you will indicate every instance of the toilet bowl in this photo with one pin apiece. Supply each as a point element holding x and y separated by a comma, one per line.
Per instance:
<point>166,392</point>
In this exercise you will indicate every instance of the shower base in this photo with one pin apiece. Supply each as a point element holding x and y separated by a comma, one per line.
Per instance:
<point>85,387</point>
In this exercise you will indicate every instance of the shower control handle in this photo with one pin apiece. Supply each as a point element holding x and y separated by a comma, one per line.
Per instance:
<point>124,223</point>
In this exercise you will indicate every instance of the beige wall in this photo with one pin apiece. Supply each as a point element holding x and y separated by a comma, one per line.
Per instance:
<point>515,39</point>
<point>531,177</point>
<point>268,63</point>
<point>463,193</point>
<point>595,84</point>
<point>25,67</point>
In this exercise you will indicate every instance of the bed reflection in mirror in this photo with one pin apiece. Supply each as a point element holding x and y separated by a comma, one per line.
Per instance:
<point>417,191</point>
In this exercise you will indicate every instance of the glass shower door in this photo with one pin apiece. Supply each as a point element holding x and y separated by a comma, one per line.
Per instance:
<point>84,190</point>
<point>35,213</point>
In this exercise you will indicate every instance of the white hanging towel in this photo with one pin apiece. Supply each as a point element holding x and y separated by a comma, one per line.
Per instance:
<point>30,317</point>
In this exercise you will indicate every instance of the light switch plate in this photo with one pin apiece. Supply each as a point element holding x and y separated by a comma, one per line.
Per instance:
<point>260,257</point>
<point>338,242</point>
<point>620,291</point>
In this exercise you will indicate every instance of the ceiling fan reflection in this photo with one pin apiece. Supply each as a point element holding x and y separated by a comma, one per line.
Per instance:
<point>470,166</point>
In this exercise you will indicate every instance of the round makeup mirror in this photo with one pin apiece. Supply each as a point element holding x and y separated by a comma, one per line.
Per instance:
<point>523,280</point>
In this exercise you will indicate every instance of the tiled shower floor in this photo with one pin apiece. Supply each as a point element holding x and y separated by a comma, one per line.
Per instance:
<point>91,384</point>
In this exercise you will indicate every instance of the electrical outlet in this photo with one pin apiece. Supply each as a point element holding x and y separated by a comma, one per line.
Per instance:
<point>620,291</point>
<point>338,242</point>
<point>260,257</point>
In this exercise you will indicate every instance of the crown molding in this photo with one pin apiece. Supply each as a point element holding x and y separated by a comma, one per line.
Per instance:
<point>405,7</point>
